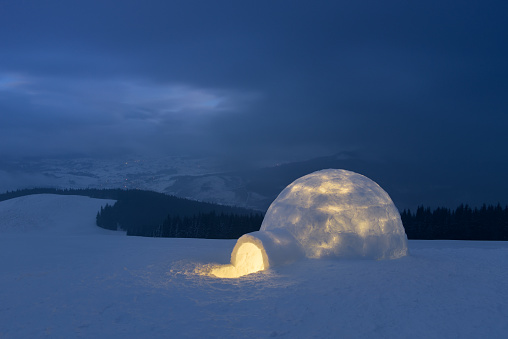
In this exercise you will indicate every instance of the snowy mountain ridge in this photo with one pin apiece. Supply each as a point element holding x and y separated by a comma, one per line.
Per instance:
<point>147,173</point>
<point>205,179</point>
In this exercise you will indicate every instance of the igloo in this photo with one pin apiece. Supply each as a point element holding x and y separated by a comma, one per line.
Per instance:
<point>328,213</point>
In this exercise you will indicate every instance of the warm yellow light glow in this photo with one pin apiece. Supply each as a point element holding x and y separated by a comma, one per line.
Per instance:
<point>331,209</point>
<point>330,187</point>
<point>249,259</point>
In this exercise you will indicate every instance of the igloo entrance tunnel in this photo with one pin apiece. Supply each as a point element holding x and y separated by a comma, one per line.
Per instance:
<point>328,213</point>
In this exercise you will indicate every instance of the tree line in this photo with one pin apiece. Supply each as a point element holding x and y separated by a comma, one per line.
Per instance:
<point>152,214</point>
<point>163,216</point>
<point>464,223</point>
<point>209,226</point>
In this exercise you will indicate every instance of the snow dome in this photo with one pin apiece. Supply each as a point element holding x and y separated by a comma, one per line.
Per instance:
<point>328,213</point>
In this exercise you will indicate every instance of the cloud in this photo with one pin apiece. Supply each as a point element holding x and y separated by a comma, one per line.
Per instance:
<point>72,115</point>
<point>255,80</point>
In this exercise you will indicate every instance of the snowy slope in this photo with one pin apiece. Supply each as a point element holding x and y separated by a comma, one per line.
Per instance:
<point>97,286</point>
<point>51,214</point>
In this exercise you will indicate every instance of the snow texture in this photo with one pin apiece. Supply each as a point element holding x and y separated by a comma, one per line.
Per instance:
<point>338,213</point>
<point>57,281</point>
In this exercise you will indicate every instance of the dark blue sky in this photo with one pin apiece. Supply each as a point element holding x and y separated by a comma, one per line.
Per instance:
<point>425,82</point>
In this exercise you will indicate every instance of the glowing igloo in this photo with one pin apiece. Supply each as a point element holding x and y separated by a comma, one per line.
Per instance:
<point>328,213</point>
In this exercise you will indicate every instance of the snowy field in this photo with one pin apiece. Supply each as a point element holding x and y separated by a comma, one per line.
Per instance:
<point>63,277</point>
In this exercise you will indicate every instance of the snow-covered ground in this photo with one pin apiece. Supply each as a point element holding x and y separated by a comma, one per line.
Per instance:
<point>63,277</point>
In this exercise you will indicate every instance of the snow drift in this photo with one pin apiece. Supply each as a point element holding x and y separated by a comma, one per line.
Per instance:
<point>328,213</point>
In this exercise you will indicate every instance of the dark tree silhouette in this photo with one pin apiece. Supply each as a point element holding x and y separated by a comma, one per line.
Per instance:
<point>463,223</point>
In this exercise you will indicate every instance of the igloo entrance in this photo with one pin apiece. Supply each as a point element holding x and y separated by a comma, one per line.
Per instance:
<point>247,259</point>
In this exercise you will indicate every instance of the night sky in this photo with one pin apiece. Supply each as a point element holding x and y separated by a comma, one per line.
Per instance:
<point>259,82</point>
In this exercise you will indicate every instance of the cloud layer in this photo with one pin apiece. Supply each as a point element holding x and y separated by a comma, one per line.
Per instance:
<point>256,81</point>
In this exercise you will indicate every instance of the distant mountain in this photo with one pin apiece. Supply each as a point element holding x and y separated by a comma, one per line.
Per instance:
<point>147,173</point>
<point>408,185</point>
<point>258,188</point>
<point>201,179</point>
